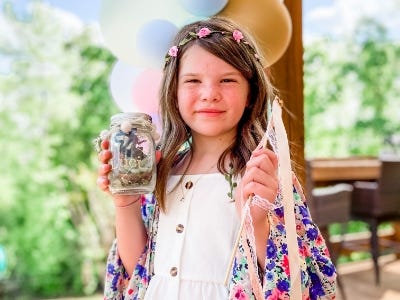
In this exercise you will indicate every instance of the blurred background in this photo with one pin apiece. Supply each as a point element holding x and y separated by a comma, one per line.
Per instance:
<point>60,81</point>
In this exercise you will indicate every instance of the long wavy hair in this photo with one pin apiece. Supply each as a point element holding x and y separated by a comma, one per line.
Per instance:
<point>245,57</point>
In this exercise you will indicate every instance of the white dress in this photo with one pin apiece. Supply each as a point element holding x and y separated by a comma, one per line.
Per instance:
<point>194,241</point>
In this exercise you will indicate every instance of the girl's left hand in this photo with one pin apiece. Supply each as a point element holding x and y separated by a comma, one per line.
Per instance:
<point>261,179</point>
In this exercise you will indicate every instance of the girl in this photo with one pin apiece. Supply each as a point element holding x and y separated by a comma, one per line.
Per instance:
<point>177,242</point>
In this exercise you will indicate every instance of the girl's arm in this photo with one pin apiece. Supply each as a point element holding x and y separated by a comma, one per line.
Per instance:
<point>130,231</point>
<point>261,233</point>
<point>318,271</point>
<point>260,179</point>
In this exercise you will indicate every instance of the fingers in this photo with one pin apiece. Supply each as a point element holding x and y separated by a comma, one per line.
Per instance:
<point>264,159</point>
<point>103,183</point>
<point>264,191</point>
<point>105,156</point>
<point>105,144</point>
<point>102,180</point>
<point>104,167</point>
<point>261,175</point>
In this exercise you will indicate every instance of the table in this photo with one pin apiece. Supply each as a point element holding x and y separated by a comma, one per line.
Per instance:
<point>325,171</point>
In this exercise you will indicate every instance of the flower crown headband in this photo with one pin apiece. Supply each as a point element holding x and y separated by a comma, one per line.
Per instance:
<point>237,35</point>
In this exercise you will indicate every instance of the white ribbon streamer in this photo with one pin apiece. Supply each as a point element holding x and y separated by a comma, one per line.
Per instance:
<point>285,178</point>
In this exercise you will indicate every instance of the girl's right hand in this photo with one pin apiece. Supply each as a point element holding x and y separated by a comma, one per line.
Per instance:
<point>103,182</point>
<point>104,167</point>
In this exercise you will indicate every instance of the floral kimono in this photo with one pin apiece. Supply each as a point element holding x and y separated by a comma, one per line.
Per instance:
<point>318,274</point>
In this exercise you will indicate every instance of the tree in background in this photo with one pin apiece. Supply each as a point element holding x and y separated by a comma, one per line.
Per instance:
<point>376,69</point>
<point>54,101</point>
<point>351,93</point>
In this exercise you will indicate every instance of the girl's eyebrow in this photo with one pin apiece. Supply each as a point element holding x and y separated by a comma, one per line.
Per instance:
<point>188,74</point>
<point>230,73</point>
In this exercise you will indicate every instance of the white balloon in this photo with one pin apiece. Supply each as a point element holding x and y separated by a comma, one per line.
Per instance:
<point>120,21</point>
<point>121,82</point>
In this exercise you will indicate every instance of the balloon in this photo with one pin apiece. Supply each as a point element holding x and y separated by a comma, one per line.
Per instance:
<point>146,91</point>
<point>120,82</point>
<point>268,20</point>
<point>120,21</point>
<point>203,8</point>
<point>153,40</point>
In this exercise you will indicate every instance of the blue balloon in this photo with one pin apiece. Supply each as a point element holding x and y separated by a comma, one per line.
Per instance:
<point>204,8</point>
<point>154,39</point>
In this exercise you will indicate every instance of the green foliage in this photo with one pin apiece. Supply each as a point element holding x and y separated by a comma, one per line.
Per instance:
<point>351,93</point>
<point>351,100</point>
<point>55,100</point>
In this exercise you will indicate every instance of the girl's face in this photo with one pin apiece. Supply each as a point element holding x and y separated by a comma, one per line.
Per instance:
<point>212,94</point>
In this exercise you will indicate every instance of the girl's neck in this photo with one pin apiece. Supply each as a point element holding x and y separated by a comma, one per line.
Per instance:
<point>200,160</point>
<point>197,164</point>
<point>204,155</point>
<point>204,146</point>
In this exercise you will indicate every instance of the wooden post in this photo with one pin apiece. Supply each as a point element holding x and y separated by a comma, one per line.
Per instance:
<point>287,76</point>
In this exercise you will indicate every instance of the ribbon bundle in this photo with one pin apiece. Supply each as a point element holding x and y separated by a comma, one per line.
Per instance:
<point>277,137</point>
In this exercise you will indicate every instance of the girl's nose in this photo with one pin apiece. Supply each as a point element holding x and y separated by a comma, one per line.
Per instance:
<point>210,92</point>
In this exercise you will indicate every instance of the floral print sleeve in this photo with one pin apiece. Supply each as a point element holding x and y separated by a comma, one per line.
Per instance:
<point>318,272</point>
<point>119,285</point>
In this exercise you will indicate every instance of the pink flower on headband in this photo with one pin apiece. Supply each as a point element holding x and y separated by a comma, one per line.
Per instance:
<point>173,51</point>
<point>203,32</point>
<point>237,35</point>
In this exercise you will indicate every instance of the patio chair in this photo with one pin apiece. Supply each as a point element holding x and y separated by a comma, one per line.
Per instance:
<point>378,202</point>
<point>328,205</point>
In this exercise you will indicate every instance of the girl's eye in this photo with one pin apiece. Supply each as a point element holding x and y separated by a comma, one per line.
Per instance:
<point>192,80</point>
<point>228,80</point>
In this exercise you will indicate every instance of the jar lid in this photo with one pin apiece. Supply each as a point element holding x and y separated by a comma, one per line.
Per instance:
<point>131,116</point>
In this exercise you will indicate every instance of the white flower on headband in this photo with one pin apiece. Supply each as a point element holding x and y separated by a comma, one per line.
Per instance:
<point>173,51</point>
<point>237,35</point>
<point>203,32</point>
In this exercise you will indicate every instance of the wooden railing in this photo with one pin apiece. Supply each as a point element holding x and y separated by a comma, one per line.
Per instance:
<point>331,170</point>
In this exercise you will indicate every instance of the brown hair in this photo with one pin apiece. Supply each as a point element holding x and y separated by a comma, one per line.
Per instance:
<point>244,56</point>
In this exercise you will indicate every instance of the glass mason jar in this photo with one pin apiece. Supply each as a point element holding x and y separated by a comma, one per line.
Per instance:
<point>133,154</point>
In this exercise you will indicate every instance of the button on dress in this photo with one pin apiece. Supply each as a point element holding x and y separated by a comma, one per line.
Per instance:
<point>195,239</point>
